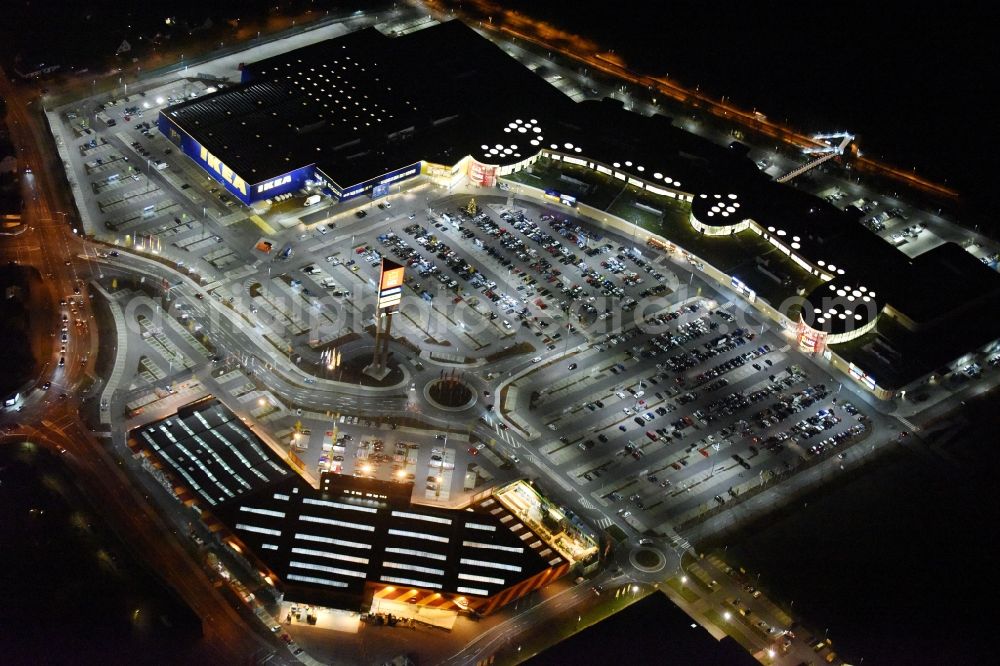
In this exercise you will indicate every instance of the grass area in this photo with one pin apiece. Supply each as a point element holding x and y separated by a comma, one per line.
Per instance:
<point>513,350</point>
<point>685,591</point>
<point>556,630</point>
<point>731,628</point>
<point>616,533</point>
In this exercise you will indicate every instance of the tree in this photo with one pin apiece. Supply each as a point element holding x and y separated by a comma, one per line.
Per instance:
<point>472,208</point>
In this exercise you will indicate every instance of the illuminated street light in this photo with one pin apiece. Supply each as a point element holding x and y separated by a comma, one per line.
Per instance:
<point>727,616</point>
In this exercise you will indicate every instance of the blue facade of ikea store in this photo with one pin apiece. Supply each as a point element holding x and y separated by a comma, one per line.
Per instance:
<point>233,182</point>
<point>291,181</point>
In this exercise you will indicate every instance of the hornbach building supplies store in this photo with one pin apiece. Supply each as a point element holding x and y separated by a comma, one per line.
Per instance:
<point>354,541</point>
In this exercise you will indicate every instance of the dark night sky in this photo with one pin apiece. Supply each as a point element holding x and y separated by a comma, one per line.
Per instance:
<point>914,80</point>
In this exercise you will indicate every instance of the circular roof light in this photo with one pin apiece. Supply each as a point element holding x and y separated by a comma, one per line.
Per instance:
<point>498,146</point>
<point>841,292</point>
<point>677,183</point>
<point>578,149</point>
<point>732,196</point>
<point>868,299</point>
<point>616,165</point>
<point>862,288</point>
<point>821,262</point>
<point>484,147</point>
<point>858,317</point>
<point>736,205</point>
<point>532,122</point>
<point>711,213</point>
<point>781,232</point>
<point>522,130</point>
<point>506,129</point>
<point>518,121</point>
<point>507,151</point>
<point>534,142</point>
<point>832,267</point>
<point>627,163</point>
<point>554,146</point>
<point>725,214</point>
<point>821,320</point>
<point>842,315</point>
<point>641,168</point>
<point>817,311</point>
<point>537,129</point>
<point>733,210</point>
<point>718,196</point>
<point>840,271</point>
<point>512,125</point>
<point>770,229</point>
<point>703,196</point>
<point>796,246</point>
<point>659,176</point>
<point>796,238</point>
<point>832,311</point>
<point>851,297</point>
<point>872,294</point>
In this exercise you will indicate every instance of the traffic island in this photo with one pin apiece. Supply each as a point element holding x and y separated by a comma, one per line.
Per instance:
<point>450,394</point>
<point>647,560</point>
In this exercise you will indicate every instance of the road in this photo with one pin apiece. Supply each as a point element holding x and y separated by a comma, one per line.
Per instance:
<point>53,249</point>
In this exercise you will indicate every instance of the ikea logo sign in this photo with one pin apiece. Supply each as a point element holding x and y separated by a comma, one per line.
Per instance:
<point>227,174</point>
<point>271,184</point>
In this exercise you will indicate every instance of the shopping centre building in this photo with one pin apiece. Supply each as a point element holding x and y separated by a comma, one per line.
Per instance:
<point>357,115</point>
<point>354,542</point>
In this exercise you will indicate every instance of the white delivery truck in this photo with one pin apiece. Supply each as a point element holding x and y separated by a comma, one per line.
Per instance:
<point>312,199</point>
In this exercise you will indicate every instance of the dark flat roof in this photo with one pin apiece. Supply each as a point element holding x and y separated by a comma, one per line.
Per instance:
<point>211,451</point>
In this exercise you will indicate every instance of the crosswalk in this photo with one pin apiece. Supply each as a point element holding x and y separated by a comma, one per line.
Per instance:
<point>909,424</point>
<point>605,522</point>
<point>586,503</point>
<point>785,348</point>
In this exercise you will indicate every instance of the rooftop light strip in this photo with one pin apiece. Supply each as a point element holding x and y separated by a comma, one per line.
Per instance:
<point>473,590</point>
<point>258,530</point>
<point>334,570</point>
<point>410,581</point>
<point>331,556</point>
<point>420,516</point>
<point>318,581</point>
<point>493,546</point>
<point>416,553</point>
<point>338,505</point>
<point>335,542</point>
<point>414,567</point>
<point>263,512</point>
<point>489,565</point>
<point>481,579</point>
<point>338,523</point>
<point>418,535</point>
<point>479,526</point>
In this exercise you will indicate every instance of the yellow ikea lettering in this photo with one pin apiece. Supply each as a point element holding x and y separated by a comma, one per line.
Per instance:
<point>227,174</point>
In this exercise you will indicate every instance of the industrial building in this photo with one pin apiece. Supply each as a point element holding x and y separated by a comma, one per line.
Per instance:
<point>354,541</point>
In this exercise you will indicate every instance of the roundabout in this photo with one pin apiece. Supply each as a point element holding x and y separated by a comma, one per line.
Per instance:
<point>647,560</point>
<point>450,395</point>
